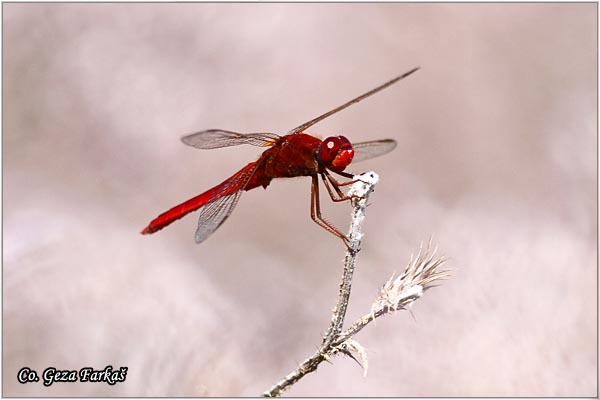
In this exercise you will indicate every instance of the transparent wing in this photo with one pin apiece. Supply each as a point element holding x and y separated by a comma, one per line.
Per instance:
<point>313,121</point>
<point>375,148</point>
<point>225,198</point>
<point>213,214</point>
<point>216,138</point>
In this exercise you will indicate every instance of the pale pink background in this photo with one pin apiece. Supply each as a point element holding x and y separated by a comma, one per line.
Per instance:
<point>496,159</point>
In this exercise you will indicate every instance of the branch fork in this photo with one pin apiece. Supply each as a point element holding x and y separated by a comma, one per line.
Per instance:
<point>396,294</point>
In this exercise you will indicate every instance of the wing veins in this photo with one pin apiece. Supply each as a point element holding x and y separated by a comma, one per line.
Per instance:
<point>313,121</point>
<point>215,212</point>
<point>217,138</point>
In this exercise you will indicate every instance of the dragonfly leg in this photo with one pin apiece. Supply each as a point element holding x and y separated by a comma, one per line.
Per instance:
<point>352,178</point>
<point>337,195</point>
<point>315,212</point>
<point>330,182</point>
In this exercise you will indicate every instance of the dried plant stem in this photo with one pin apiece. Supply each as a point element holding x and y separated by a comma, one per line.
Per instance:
<point>362,188</point>
<point>397,294</point>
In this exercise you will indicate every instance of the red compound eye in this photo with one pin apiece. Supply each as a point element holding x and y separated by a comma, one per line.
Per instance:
<point>336,152</point>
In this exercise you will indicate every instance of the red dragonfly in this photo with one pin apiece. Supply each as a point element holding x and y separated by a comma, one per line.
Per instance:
<point>294,154</point>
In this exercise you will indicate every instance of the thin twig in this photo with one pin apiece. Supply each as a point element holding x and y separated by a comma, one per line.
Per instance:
<point>362,188</point>
<point>397,294</point>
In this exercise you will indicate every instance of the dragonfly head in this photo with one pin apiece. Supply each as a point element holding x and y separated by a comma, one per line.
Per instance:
<point>335,153</point>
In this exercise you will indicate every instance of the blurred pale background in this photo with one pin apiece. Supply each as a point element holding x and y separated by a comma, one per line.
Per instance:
<point>496,160</point>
